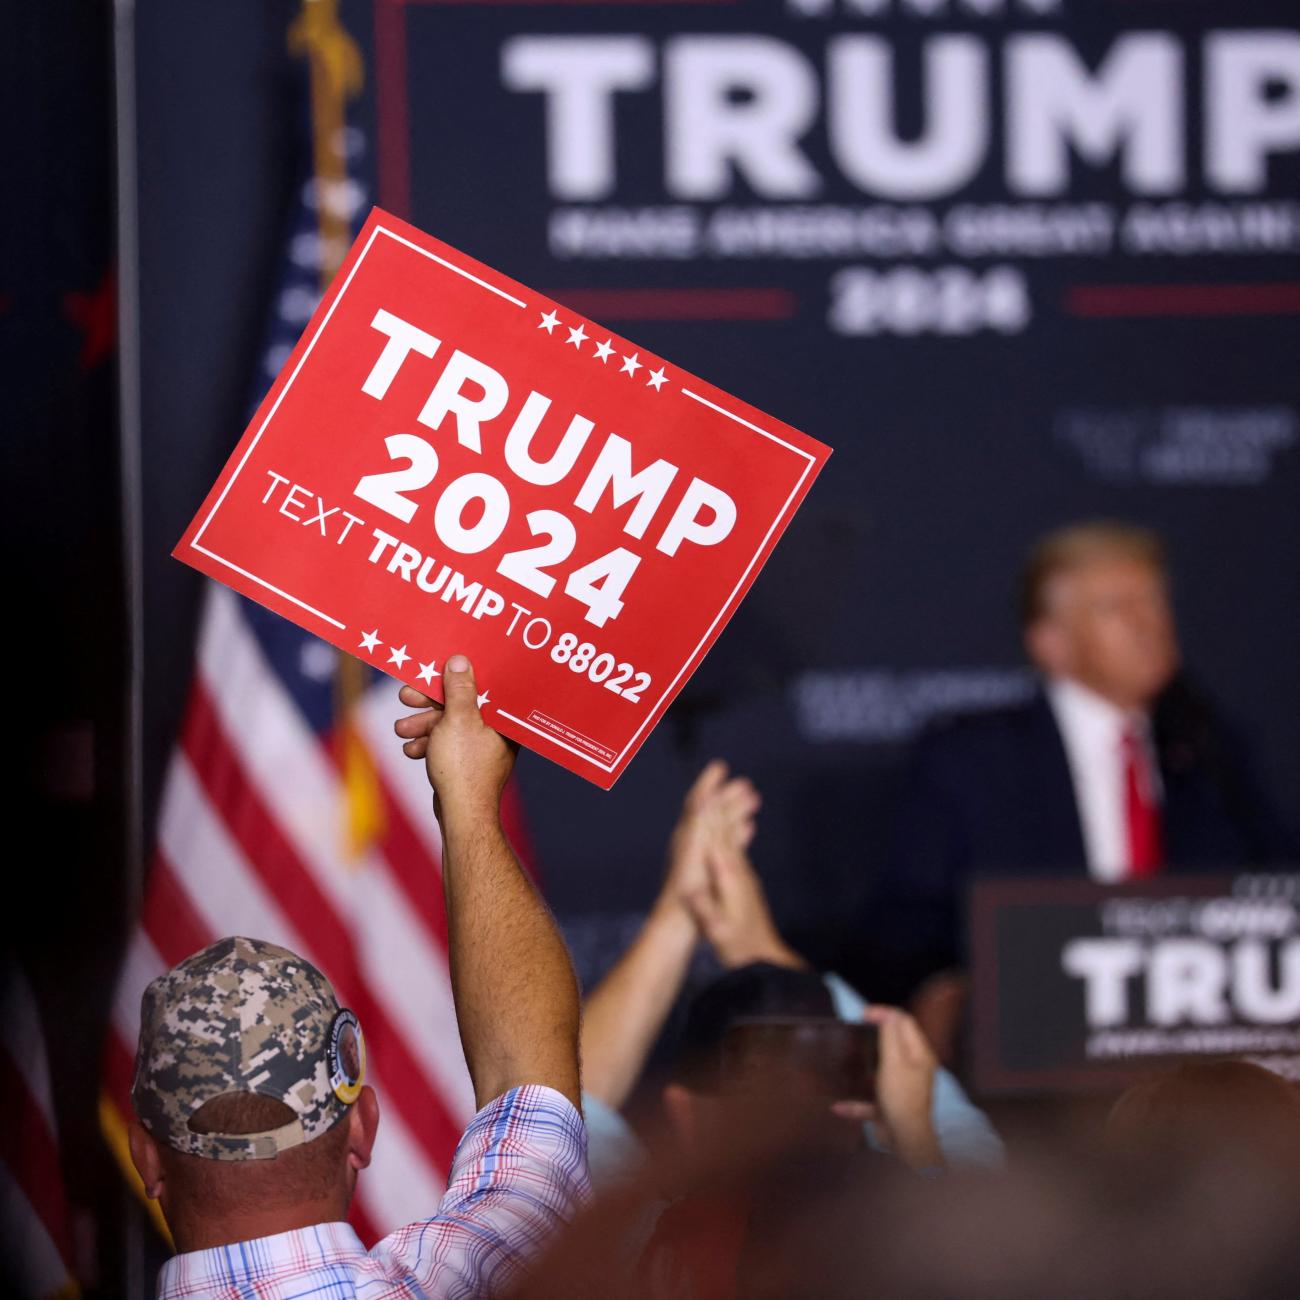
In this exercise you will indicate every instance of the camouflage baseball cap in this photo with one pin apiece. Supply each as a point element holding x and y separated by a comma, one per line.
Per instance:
<point>244,1015</point>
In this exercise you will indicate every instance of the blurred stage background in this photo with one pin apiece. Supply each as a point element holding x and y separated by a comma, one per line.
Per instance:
<point>1053,276</point>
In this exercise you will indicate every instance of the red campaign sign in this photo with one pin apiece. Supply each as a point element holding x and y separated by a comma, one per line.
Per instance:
<point>450,461</point>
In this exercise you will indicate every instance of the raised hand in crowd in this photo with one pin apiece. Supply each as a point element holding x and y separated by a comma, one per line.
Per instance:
<point>468,764</point>
<point>731,909</point>
<point>718,812</point>
<point>902,1116</point>
<point>515,990</point>
<point>626,1011</point>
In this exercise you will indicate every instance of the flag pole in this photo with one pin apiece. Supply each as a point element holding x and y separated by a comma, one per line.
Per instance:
<point>337,75</point>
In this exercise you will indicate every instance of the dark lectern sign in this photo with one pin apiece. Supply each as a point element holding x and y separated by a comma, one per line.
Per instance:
<point>1078,985</point>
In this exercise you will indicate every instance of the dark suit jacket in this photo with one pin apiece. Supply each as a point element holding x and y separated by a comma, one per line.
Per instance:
<point>991,794</point>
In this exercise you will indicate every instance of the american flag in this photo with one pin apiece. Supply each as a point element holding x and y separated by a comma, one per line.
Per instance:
<point>289,812</point>
<point>34,1224</point>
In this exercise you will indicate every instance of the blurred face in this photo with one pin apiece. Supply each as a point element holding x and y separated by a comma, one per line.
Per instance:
<point>788,1110</point>
<point>1108,625</point>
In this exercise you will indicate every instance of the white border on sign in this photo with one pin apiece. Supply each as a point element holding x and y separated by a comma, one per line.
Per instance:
<point>500,293</point>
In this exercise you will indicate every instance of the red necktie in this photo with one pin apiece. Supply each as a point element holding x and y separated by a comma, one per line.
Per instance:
<point>1141,811</point>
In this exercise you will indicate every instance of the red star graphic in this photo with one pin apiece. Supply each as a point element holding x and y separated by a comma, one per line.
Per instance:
<point>95,315</point>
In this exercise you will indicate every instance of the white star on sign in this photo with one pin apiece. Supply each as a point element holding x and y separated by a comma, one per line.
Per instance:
<point>630,364</point>
<point>370,640</point>
<point>656,378</point>
<point>399,655</point>
<point>549,321</point>
<point>605,350</point>
<point>577,336</point>
<point>482,699</point>
<point>429,671</point>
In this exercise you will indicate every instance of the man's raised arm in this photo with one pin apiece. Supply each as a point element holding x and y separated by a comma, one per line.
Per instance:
<point>515,991</point>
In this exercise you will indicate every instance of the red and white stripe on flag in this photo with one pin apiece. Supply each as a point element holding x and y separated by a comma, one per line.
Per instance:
<point>251,841</point>
<point>33,1205</point>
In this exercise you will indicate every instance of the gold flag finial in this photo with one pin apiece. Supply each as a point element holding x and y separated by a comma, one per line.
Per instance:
<point>337,75</point>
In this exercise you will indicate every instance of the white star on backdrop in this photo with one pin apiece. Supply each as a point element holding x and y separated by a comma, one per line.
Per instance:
<point>399,655</point>
<point>605,350</point>
<point>482,699</point>
<point>317,660</point>
<point>549,321</point>
<point>369,640</point>
<point>429,671</point>
<point>577,336</point>
<point>656,378</point>
<point>630,364</point>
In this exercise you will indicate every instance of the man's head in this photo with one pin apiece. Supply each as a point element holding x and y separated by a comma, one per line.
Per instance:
<point>252,1114</point>
<point>708,1102</point>
<point>1094,604</point>
<point>1202,1112</point>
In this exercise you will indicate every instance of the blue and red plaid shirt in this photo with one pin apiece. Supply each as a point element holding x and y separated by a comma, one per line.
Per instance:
<point>519,1175</point>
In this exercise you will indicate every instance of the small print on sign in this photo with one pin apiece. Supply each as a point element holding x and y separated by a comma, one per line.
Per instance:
<point>451,462</point>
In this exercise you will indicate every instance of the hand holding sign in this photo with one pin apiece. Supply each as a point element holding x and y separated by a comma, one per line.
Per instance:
<point>468,764</point>
<point>449,459</point>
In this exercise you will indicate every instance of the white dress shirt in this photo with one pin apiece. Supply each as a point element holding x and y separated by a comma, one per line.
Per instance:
<point>1093,731</point>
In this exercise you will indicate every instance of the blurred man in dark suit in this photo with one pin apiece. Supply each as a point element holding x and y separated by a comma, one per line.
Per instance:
<point>1113,769</point>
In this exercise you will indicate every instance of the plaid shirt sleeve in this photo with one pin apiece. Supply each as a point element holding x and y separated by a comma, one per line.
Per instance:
<point>519,1175</point>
